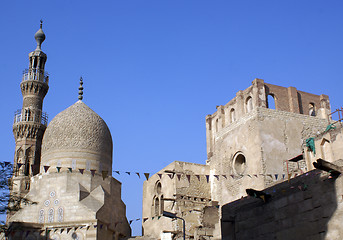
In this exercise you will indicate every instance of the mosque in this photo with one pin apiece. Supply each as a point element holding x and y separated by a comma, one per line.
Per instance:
<point>65,168</point>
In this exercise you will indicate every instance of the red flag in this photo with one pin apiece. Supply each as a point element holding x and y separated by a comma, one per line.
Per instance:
<point>93,172</point>
<point>81,170</point>
<point>46,168</point>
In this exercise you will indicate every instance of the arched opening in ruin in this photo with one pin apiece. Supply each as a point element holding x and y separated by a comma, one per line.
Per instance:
<point>271,101</point>
<point>311,109</point>
<point>248,104</point>
<point>239,163</point>
<point>232,115</point>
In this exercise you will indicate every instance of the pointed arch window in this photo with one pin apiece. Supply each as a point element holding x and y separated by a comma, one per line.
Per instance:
<point>248,104</point>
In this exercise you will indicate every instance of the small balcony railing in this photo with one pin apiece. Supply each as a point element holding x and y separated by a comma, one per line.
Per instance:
<point>30,115</point>
<point>35,74</point>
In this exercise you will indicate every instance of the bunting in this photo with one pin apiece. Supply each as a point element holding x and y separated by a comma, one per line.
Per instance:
<point>81,170</point>
<point>146,175</point>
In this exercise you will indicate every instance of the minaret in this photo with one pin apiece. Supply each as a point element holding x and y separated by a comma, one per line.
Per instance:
<point>30,122</point>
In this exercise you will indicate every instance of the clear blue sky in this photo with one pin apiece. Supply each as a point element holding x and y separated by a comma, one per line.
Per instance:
<point>153,69</point>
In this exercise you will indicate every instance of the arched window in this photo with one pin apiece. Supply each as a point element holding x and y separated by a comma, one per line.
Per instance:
<point>51,215</point>
<point>217,125</point>
<point>239,163</point>
<point>311,109</point>
<point>158,188</point>
<point>248,104</point>
<point>60,214</point>
<point>157,206</point>
<point>271,101</point>
<point>232,115</point>
<point>41,216</point>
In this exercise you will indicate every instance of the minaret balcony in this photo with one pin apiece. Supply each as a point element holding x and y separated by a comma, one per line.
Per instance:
<point>35,74</point>
<point>30,115</point>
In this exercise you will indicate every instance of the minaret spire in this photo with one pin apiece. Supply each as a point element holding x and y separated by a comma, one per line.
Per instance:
<point>30,122</point>
<point>81,89</point>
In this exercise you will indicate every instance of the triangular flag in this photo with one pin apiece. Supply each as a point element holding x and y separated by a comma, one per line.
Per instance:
<point>46,168</point>
<point>55,230</point>
<point>152,218</point>
<point>137,219</point>
<point>130,222</point>
<point>128,173</point>
<point>33,167</point>
<point>276,176</point>
<point>19,165</point>
<point>117,172</point>
<point>178,176</point>
<point>70,169</point>
<point>224,176</point>
<point>198,177</point>
<point>283,176</point>
<point>146,175</point>
<point>207,178</point>
<point>189,178</point>
<point>75,228</point>
<point>104,174</point>
<point>95,225</point>
<point>88,227</point>
<point>216,176</point>
<point>159,175</point>
<point>68,229</point>
<point>93,172</point>
<point>255,175</point>
<point>249,175</point>
<point>158,218</point>
<point>144,219</point>
<point>138,174</point>
<point>232,175</point>
<point>62,229</point>
<point>171,176</point>
<point>81,170</point>
<point>58,169</point>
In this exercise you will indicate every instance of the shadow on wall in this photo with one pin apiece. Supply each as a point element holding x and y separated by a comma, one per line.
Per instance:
<point>301,208</point>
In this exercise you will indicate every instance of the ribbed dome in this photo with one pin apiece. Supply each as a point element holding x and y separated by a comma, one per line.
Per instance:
<point>78,138</point>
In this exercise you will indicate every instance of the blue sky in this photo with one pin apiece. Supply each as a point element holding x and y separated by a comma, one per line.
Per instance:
<point>153,69</point>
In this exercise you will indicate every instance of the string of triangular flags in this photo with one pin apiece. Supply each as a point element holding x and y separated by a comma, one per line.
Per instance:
<point>275,176</point>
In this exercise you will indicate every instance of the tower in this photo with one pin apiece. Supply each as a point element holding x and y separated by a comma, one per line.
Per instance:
<point>30,122</point>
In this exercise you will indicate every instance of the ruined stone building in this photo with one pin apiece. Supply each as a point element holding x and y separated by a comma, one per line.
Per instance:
<point>65,167</point>
<point>256,141</point>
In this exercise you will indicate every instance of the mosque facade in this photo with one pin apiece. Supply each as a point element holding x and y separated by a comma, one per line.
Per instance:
<point>64,168</point>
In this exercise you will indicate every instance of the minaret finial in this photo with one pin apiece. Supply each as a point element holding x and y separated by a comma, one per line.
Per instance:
<point>40,36</point>
<point>80,89</point>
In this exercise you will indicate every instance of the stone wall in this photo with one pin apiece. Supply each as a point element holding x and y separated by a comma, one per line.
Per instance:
<point>308,207</point>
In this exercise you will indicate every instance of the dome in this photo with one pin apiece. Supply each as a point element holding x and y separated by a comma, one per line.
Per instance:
<point>77,138</point>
